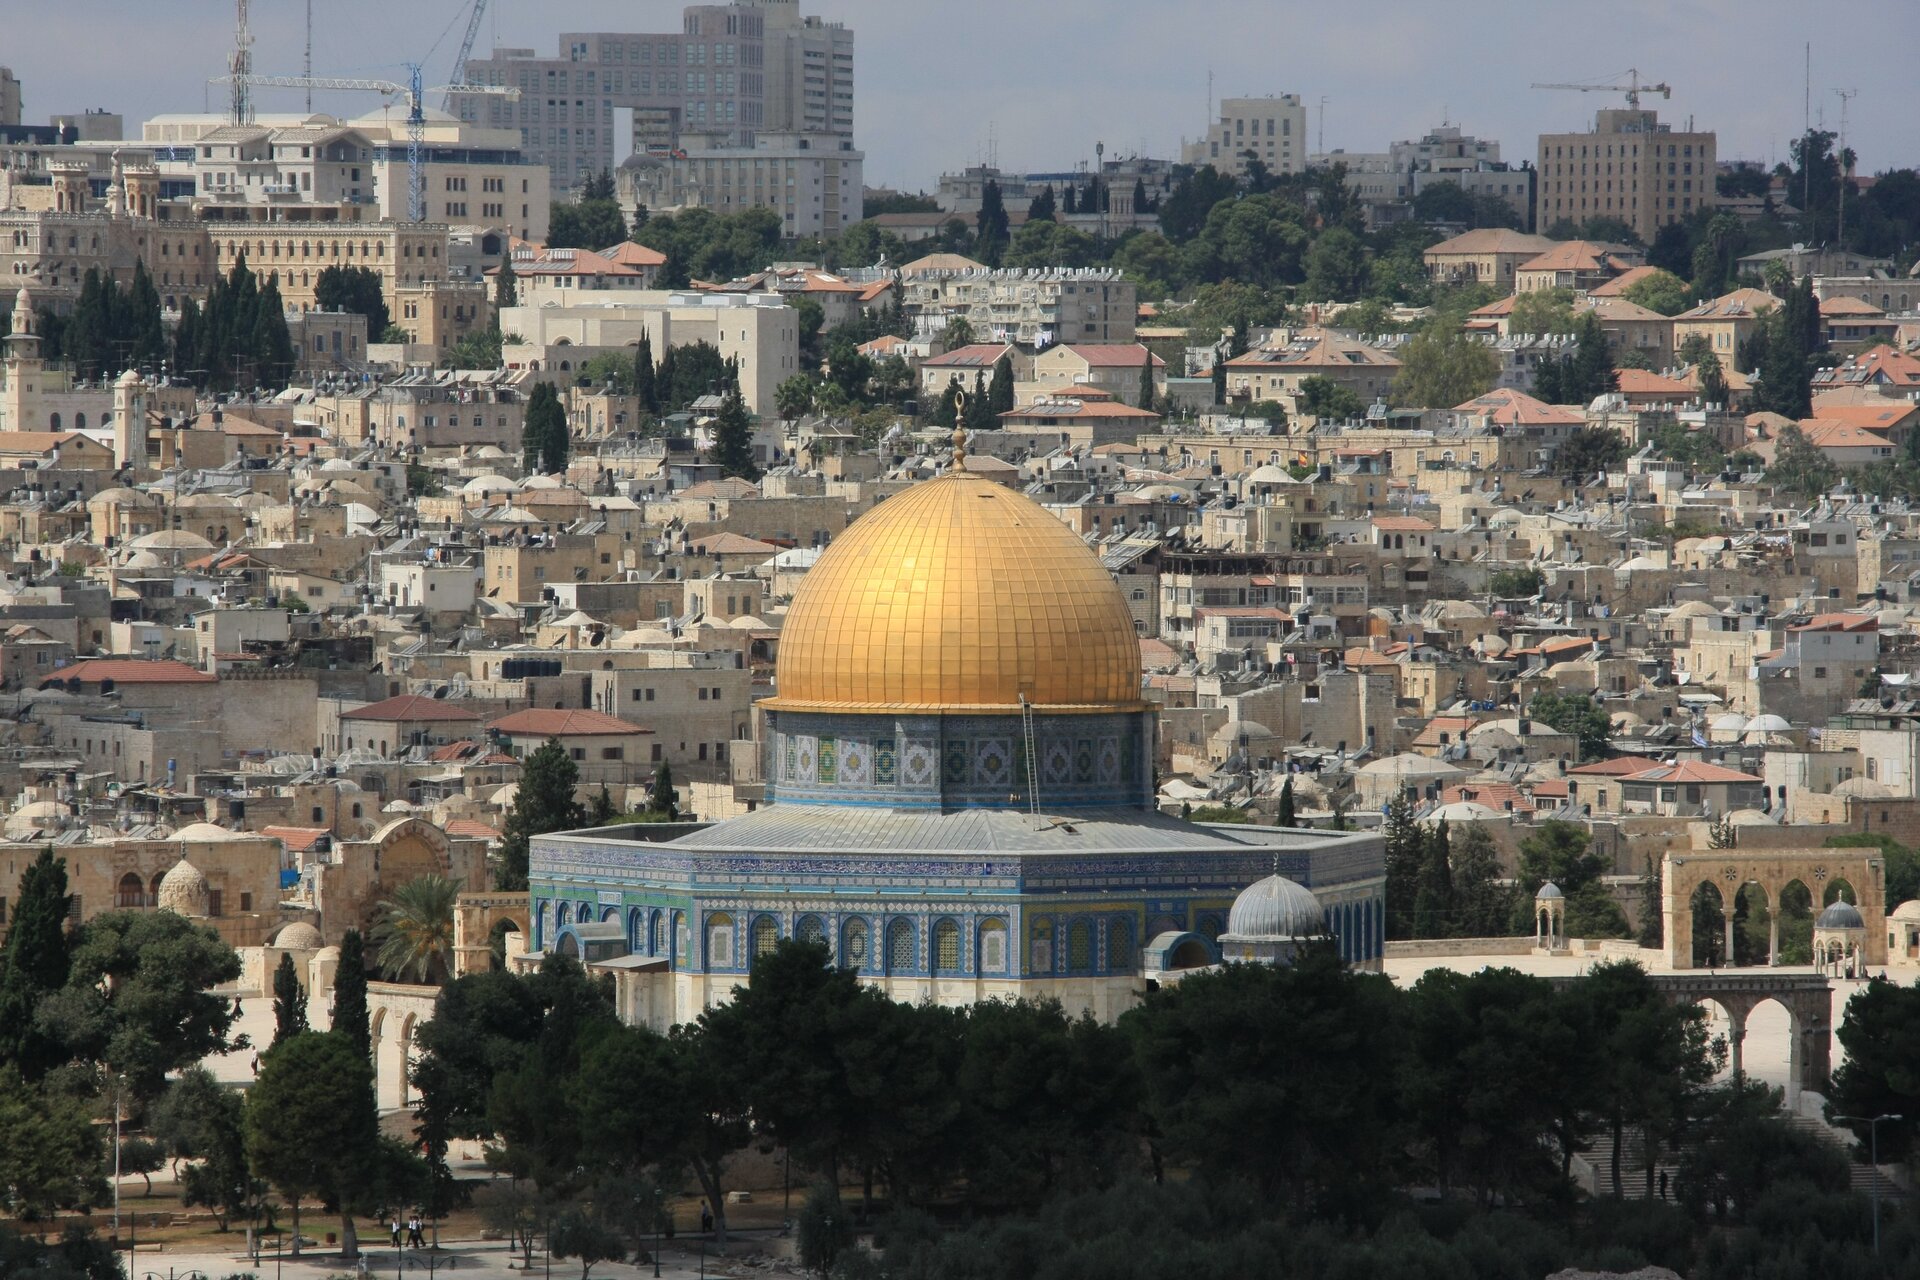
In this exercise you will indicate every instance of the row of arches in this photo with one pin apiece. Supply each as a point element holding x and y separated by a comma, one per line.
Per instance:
<point>1758,930</point>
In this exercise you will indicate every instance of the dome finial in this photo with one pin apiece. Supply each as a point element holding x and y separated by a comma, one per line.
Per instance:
<point>959,429</point>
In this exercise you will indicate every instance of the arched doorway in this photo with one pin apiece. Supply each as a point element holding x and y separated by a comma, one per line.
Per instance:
<point>1793,922</point>
<point>1752,926</point>
<point>132,892</point>
<point>1709,927</point>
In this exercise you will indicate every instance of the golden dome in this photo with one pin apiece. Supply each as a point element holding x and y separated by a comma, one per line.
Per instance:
<point>958,594</point>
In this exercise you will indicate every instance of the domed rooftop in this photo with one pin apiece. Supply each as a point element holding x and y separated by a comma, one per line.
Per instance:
<point>299,936</point>
<point>202,831</point>
<point>1908,910</point>
<point>1841,915</point>
<point>1276,908</point>
<point>1548,892</point>
<point>184,890</point>
<point>1862,787</point>
<point>958,594</point>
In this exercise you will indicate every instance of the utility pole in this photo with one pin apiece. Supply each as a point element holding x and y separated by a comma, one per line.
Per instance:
<point>1320,139</point>
<point>306,66</point>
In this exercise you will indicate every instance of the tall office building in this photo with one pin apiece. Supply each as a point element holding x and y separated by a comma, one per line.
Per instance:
<point>9,97</point>
<point>1272,130</point>
<point>1631,167</point>
<point>732,70</point>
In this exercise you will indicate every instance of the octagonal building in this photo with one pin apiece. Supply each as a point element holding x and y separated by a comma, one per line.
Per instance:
<point>960,795</point>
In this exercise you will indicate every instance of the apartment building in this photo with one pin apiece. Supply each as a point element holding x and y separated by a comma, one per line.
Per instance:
<point>732,69</point>
<point>1630,167</point>
<point>812,180</point>
<point>759,331</point>
<point>9,97</point>
<point>1031,307</point>
<point>1272,130</point>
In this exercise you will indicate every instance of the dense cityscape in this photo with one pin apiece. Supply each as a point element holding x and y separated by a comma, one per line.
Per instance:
<point>587,680</point>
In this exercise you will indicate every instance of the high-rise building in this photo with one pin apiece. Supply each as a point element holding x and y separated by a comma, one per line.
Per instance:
<point>1631,167</point>
<point>732,70</point>
<point>9,97</point>
<point>1272,130</point>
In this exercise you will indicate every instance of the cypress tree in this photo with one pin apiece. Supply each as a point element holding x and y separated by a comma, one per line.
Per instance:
<point>645,389</point>
<point>543,802</point>
<point>1072,204</point>
<point>271,344</point>
<point>34,962</point>
<point>148,336</point>
<point>663,382</point>
<point>289,1001</point>
<point>1219,377</point>
<point>544,439</point>
<point>1593,372</point>
<point>1000,390</point>
<point>733,438</point>
<point>1041,208</point>
<point>350,993</point>
<point>506,285</point>
<point>663,798</point>
<point>1140,204</point>
<point>1146,382</point>
<point>1286,804</point>
<point>980,404</point>
<point>1433,903</point>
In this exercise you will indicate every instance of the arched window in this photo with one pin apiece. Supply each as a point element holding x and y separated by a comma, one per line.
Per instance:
<point>153,889</point>
<point>79,422</point>
<point>719,941</point>
<point>53,422</point>
<point>132,893</point>
<point>1120,955</point>
<point>766,935</point>
<point>654,939</point>
<point>853,944</point>
<point>901,947</point>
<point>811,930</point>
<point>1080,947</point>
<point>993,946</point>
<point>1210,926</point>
<point>562,916</point>
<point>946,947</point>
<point>636,931</point>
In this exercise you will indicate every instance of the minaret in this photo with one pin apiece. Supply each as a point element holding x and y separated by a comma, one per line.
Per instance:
<point>129,421</point>
<point>23,366</point>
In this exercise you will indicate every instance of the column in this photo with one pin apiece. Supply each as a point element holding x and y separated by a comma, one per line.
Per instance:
<point>1773,935</point>
<point>1736,1037</point>
<point>1727,957</point>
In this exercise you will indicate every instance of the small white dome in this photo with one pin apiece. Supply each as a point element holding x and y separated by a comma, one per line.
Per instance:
<point>1549,892</point>
<point>299,936</point>
<point>184,891</point>
<point>201,832</point>
<point>1276,907</point>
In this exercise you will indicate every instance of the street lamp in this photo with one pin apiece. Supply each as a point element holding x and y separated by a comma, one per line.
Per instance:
<point>1873,1138</point>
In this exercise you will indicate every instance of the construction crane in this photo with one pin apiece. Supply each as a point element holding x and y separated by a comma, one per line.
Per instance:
<point>1633,87</point>
<point>466,51</point>
<point>240,66</point>
<point>244,82</point>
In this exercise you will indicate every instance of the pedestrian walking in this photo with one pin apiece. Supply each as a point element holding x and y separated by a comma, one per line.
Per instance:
<point>413,1233</point>
<point>706,1219</point>
<point>1663,1184</point>
<point>393,1228</point>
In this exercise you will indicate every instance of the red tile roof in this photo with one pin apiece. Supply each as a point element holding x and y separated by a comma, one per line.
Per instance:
<point>131,671</point>
<point>1508,407</point>
<point>556,722</point>
<point>297,839</point>
<point>1689,771</point>
<point>470,829</point>
<point>1122,355</point>
<point>410,708</point>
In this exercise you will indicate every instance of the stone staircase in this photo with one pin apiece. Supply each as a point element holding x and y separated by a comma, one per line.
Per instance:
<point>1867,1178</point>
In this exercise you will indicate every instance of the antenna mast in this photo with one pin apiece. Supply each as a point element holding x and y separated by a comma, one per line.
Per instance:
<point>306,66</point>
<point>240,65</point>
<point>1840,159</point>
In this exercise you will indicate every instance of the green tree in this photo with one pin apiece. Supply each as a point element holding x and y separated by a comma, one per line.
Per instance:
<point>1592,371</point>
<point>51,1159</point>
<point>593,222</point>
<point>1444,366</point>
<point>142,1156</point>
<point>1405,853</point>
<point>506,284</point>
<point>1589,450</point>
<point>350,993</point>
<point>542,802</point>
<point>1516,583</point>
<point>481,349</point>
<point>1000,397</point>
<point>646,388</point>
<point>1482,901</point>
<point>1542,311</point>
<point>1146,392</point>
<point>990,224</point>
<point>415,931</point>
<point>544,438</point>
<point>33,964</point>
<point>1880,1032</point>
<point>1321,397</point>
<point>793,398</point>
<point>1286,816</point>
<point>662,798</point>
<point>578,1234</point>
<point>1799,466</point>
<point>1653,1057</point>
<point>825,1226</point>
<point>1336,267</point>
<point>289,1000</point>
<point>139,997</point>
<point>311,1129</point>
<point>1660,291</point>
<point>1433,901</point>
<point>606,371</point>
<point>201,1121</point>
<point>1576,714</point>
<point>733,438</point>
<point>1041,207</point>
<point>357,289</point>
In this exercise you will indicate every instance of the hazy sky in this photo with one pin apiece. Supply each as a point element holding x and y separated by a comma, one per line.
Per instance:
<point>1040,81</point>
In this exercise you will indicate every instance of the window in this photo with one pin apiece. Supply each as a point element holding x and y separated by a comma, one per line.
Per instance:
<point>131,892</point>
<point>946,947</point>
<point>246,902</point>
<point>766,936</point>
<point>993,946</point>
<point>811,931</point>
<point>720,941</point>
<point>853,944</point>
<point>1080,947</point>
<point>1120,956</point>
<point>901,947</point>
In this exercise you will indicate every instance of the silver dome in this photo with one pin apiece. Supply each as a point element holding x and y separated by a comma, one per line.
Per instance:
<point>1276,908</point>
<point>1841,915</point>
